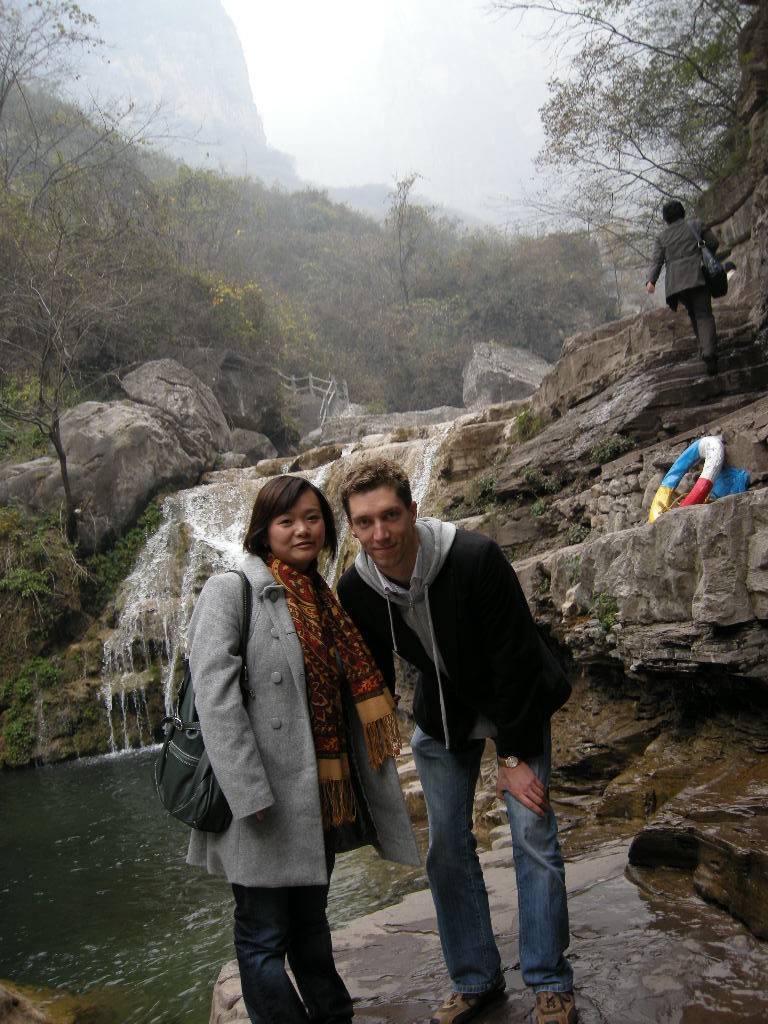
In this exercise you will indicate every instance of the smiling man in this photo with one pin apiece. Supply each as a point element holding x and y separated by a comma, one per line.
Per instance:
<point>448,602</point>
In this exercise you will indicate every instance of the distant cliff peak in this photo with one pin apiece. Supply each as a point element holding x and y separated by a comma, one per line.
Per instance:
<point>188,60</point>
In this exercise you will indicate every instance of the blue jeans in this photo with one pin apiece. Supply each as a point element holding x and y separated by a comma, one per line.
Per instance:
<point>291,921</point>
<point>448,779</point>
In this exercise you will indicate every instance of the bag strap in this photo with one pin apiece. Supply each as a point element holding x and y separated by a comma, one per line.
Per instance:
<point>695,233</point>
<point>247,605</point>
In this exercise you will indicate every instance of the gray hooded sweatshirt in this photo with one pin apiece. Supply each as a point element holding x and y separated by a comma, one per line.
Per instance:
<point>435,540</point>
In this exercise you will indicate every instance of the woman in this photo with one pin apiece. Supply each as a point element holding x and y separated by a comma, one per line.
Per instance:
<point>306,764</point>
<point>678,247</point>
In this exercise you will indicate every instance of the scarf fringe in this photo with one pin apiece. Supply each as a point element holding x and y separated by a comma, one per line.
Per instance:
<point>337,801</point>
<point>382,738</point>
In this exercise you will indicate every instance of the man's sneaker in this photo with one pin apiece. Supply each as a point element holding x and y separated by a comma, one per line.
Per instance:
<point>463,1006</point>
<point>555,1008</point>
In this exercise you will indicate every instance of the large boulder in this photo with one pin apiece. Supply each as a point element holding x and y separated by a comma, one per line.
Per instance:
<point>498,374</point>
<point>248,392</point>
<point>121,453</point>
<point>253,445</point>
<point>181,397</point>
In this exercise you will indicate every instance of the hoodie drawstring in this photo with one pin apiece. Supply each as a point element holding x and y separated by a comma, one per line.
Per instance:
<point>435,657</point>
<point>436,660</point>
<point>391,623</point>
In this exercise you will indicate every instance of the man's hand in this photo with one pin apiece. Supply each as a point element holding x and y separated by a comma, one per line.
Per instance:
<point>651,287</point>
<point>525,786</point>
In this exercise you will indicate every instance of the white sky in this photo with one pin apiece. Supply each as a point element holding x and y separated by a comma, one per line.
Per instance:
<point>364,91</point>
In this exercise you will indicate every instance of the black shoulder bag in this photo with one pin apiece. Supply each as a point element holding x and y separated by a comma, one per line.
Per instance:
<point>714,271</point>
<point>184,778</point>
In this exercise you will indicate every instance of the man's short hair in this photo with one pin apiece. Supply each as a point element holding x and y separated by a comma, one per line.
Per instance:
<point>672,211</point>
<point>372,473</point>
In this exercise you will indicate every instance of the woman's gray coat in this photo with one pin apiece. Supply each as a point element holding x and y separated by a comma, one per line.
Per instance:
<point>263,753</point>
<point>677,246</point>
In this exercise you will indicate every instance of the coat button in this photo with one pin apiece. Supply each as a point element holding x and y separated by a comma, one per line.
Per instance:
<point>276,677</point>
<point>276,723</point>
<point>273,595</point>
<point>253,694</point>
<point>274,632</point>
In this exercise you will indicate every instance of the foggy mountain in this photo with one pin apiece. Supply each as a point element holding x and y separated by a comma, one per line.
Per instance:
<point>187,58</point>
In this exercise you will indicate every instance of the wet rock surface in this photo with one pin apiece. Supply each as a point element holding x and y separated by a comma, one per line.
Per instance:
<point>20,1005</point>
<point>646,949</point>
<point>684,775</point>
<point>661,804</point>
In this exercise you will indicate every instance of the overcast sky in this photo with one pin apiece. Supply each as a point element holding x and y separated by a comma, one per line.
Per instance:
<point>364,91</point>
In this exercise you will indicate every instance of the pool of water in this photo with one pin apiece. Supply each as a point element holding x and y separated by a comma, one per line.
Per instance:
<point>95,897</point>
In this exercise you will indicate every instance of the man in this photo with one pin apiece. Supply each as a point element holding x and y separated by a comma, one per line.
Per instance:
<point>678,247</point>
<point>448,602</point>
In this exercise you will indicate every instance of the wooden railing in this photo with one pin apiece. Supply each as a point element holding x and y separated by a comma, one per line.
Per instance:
<point>329,390</point>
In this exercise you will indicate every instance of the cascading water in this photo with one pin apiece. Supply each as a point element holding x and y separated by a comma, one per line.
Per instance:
<point>200,534</point>
<point>422,474</point>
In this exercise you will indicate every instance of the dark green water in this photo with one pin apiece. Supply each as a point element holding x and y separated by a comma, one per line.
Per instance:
<point>95,897</point>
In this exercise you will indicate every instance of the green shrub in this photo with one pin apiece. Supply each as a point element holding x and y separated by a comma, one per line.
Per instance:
<point>538,508</point>
<point>573,569</point>
<point>27,582</point>
<point>108,569</point>
<point>479,493</point>
<point>11,522</point>
<point>18,697</point>
<point>606,611</point>
<point>527,424</point>
<point>19,738</point>
<point>609,448</point>
<point>541,482</point>
<point>477,499</point>
<point>577,532</point>
<point>38,581</point>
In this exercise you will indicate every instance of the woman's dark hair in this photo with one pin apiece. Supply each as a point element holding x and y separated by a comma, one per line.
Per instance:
<point>275,498</point>
<point>672,211</point>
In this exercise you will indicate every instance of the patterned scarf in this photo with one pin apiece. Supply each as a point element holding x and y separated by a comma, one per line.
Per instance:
<point>325,631</point>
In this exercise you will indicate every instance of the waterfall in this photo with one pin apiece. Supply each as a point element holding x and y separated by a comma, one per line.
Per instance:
<point>200,534</point>
<point>421,476</point>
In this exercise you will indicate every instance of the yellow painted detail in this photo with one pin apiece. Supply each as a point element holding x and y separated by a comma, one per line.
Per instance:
<point>663,500</point>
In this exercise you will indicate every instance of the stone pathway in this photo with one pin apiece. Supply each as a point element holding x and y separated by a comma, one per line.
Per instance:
<point>643,950</point>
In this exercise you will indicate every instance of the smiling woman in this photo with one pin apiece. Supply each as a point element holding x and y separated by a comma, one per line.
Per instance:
<point>298,536</point>
<point>305,759</point>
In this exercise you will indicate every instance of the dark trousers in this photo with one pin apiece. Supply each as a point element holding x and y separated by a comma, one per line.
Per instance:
<point>272,924</point>
<point>698,305</point>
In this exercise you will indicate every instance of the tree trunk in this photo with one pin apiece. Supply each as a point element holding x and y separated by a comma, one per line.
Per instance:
<point>69,503</point>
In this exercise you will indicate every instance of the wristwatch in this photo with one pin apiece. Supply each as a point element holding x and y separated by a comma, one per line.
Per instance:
<point>510,762</point>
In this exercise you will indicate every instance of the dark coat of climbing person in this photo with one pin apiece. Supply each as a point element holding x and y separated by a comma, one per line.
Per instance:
<point>677,247</point>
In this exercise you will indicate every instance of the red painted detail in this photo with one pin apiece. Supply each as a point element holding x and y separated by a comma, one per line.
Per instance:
<point>699,494</point>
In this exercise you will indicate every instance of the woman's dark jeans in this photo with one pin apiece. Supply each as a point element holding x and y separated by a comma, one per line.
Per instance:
<point>271,924</point>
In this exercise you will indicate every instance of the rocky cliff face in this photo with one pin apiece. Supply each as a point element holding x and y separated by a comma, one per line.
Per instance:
<point>186,59</point>
<point>738,209</point>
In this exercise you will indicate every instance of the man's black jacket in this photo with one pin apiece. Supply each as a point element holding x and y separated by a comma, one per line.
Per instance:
<point>497,663</point>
